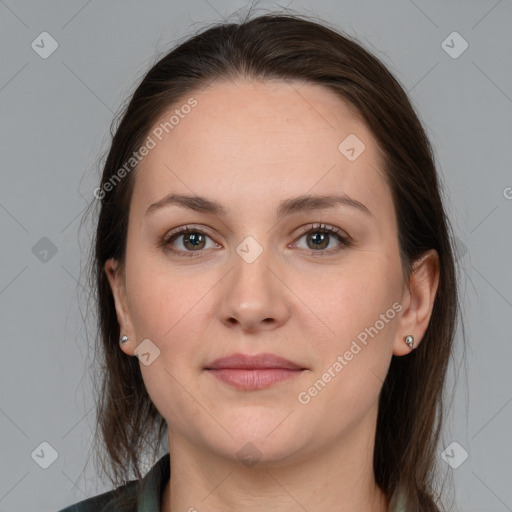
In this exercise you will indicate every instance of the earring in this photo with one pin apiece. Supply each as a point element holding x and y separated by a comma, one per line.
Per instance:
<point>124,339</point>
<point>409,340</point>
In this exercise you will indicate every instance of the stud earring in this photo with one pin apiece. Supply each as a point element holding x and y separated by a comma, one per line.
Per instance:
<point>409,340</point>
<point>124,339</point>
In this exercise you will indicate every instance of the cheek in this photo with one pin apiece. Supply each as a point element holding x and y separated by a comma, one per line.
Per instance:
<point>175,312</point>
<point>351,300</point>
<point>170,311</point>
<point>360,310</point>
<point>352,363</point>
<point>164,299</point>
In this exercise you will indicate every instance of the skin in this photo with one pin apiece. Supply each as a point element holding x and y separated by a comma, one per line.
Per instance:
<point>250,145</point>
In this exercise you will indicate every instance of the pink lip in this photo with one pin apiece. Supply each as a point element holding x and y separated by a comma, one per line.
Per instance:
<point>253,372</point>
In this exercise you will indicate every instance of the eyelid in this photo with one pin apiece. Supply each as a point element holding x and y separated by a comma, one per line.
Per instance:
<point>321,226</point>
<point>187,227</point>
<point>301,231</point>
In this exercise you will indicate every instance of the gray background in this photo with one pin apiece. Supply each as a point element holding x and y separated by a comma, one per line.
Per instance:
<point>56,114</point>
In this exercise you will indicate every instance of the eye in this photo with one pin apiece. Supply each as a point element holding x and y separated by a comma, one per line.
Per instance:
<point>193,240</point>
<point>318,238</point>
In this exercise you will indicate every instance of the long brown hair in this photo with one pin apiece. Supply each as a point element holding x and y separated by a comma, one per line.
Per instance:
<point>286,46</point>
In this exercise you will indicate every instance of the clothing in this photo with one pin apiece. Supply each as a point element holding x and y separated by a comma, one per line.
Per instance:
<point>147,498</point>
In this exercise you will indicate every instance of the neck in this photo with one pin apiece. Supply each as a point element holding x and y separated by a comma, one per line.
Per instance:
<point>339,478</point>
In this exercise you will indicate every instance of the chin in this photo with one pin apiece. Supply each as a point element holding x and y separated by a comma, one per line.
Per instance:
<point>269,440</point>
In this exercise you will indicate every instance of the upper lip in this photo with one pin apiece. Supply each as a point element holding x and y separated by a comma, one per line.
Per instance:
<point>256,362</point>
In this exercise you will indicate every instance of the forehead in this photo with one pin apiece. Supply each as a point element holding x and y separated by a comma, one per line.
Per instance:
<point>248,142</point>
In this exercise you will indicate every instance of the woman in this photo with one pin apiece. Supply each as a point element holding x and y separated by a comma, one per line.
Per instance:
<point>276,282</point>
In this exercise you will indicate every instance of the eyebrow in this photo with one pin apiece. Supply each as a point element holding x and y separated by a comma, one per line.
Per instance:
<point>287,207</point>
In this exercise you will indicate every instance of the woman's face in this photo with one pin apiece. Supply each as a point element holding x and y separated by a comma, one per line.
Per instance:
<point>261,277</point>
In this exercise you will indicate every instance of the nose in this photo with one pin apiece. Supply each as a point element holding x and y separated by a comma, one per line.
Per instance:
<point>254,296</point>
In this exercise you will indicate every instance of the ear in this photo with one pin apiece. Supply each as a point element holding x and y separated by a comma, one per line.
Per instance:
<point>115,275</point>
<point>418,301</point>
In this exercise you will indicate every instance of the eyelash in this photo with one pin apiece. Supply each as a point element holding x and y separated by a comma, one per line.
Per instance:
<point>345,240</point>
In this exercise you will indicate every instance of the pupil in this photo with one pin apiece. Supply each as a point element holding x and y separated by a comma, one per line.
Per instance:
<point>194,239</point>
<point>319,237</point>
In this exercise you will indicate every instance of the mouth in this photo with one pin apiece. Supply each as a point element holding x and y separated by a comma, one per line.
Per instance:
<point>253,372</point>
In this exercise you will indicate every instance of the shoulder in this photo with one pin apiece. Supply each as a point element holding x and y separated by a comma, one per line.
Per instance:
<point>123,498</point>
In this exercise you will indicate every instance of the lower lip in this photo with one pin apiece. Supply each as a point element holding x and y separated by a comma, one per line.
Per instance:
<point>254,379</point>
